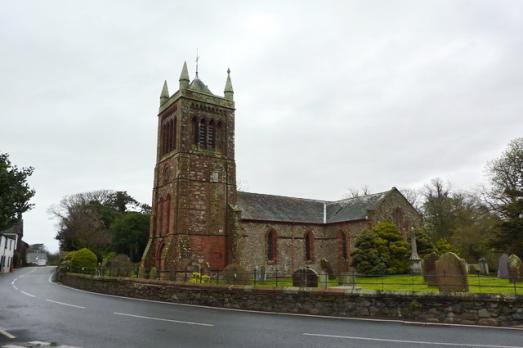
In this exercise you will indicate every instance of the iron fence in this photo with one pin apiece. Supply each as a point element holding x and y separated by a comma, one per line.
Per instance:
<point>348,281</point>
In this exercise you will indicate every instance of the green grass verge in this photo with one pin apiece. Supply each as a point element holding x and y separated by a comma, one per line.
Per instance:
<point>410,283</point>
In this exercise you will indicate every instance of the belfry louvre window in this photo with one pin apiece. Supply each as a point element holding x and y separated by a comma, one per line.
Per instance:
<point>168,135</point>
<point>202,138</point>
<point>211,136</point>
<point>195,135</point>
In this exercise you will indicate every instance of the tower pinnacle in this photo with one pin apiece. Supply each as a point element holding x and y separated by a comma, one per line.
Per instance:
<point>164,96</point>
<point>228,91</point>
<point>184,77</point>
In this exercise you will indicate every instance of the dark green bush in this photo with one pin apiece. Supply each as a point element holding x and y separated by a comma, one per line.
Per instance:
<point>381,250</point>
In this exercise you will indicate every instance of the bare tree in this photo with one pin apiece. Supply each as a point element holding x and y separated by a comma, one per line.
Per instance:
<point>414,196</point>
<point>355,192</point>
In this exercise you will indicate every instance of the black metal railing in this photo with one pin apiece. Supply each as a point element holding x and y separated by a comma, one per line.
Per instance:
<point>348,281</point>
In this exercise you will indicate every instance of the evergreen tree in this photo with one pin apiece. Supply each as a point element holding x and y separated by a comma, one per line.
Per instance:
<point>506,197</point>
<point>381,250</point>
<point>15,192</point>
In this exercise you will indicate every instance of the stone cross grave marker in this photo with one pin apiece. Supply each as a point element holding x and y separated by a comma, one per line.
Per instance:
<point>429,269</point>
<point>451,273</point>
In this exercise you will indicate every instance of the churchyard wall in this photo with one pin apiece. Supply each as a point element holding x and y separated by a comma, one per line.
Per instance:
<point>458,309</point>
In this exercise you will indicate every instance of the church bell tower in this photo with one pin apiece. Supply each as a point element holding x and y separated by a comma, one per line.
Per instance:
<point>194,179</point>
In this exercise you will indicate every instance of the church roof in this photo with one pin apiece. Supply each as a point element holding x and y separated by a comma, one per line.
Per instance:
<point>197,85</point>
<point>262,207</point>
<point>355,208</point>
<point>257,206</point>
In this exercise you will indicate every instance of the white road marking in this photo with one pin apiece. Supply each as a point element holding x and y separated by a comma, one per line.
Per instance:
<point>64,304</point>
<point>27,294</point>
<point>6,334</point>
<point>411,342</point>
<point>39,343</point>
<point>162,319</point>
<point>397,321</point>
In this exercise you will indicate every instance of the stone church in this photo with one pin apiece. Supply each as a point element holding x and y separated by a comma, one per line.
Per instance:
<point>200,218</point>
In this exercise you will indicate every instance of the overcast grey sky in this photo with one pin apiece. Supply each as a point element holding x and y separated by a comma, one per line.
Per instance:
<point>330,95</point>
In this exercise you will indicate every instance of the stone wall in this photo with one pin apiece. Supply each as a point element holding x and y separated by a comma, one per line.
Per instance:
<point>470,309</point>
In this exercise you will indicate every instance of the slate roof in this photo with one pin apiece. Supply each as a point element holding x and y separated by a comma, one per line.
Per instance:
<point>198,86</point>
<point>262,207</point>
<point>353,208</point>
<point>257,206</point>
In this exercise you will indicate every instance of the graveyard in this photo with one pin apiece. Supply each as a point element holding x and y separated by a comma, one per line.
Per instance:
<point>447,274</point>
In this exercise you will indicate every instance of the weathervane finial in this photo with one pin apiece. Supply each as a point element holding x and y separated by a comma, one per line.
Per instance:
<point>197,57</point>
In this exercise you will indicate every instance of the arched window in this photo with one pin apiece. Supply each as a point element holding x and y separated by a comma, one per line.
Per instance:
<point>202,140</point>
<point>174,133</point>
<point>397,217</point>
<point>309,245</point>
<point>167,215</point>
<point>162,139</point>
<point>171,136</point>
<point>211,136</point>
<point>195,133</point>
<point>272,241</point>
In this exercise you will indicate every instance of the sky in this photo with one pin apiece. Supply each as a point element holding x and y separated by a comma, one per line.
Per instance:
<point>330,95</point>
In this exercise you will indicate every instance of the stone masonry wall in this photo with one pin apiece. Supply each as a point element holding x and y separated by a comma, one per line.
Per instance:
<point>482,310</point>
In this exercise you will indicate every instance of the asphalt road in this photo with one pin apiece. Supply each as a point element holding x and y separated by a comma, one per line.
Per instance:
<point>34,308</point>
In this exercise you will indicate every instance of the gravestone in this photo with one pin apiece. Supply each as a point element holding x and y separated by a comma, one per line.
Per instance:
<point>451,273</point>
<point>503,266</point>
<point>429,269</point>
<point>515,269</point>
<point>346,278</point>
<point>327,268</point>
<point>483,266</point>
<point>235,274</point>
<point>323,279</point>
<point>305,277</point>
<point>260,273</point>
<point>120,266</point>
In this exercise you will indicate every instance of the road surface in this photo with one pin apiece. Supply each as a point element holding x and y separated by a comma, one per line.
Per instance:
<point>32,308</point>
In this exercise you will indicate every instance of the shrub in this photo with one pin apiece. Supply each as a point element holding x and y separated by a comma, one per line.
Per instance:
<point>381,250</point>
<point>424,243</point>
<point>444,246</point>
<point>198,278</point>
<point>84,261</point>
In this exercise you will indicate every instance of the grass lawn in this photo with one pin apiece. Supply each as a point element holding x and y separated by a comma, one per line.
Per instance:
<point>415,283</point>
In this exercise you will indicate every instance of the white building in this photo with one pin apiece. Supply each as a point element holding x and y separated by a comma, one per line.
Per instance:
<point>7,251</point>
